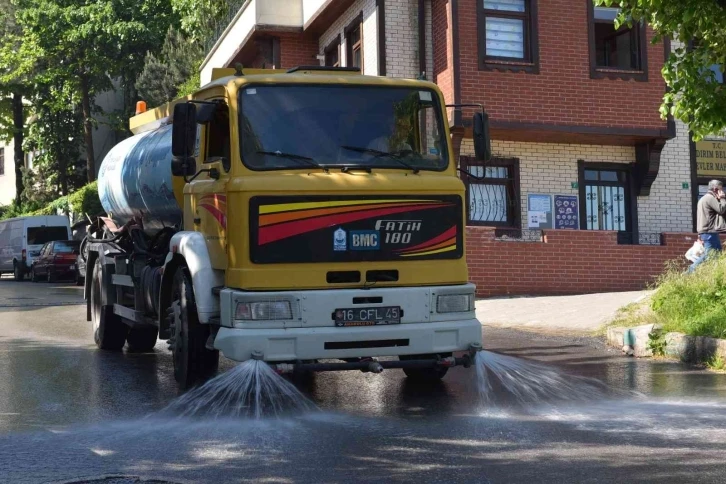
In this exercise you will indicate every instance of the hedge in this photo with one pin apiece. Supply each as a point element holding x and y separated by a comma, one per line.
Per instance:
<point>83,201</point>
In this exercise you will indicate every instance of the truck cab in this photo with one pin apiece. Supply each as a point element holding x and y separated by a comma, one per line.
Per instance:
<point>321,218</point>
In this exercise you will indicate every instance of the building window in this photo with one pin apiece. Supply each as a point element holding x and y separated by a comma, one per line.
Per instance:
<point>508,34</point>
<point>332,53</point>
<point>354,43</point>
<point>2,161</point>
<point>605,194</point>
<point>493,200</point>
<point>619,53</point>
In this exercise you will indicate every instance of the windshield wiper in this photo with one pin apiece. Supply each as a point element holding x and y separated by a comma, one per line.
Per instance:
<point>292,156</point>
<point>395,155</point>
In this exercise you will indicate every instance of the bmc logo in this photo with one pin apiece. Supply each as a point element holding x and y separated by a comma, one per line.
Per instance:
<point>365,240</point>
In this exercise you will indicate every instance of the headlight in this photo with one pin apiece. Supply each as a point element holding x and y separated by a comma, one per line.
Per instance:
<point>263,311</point>
<point>455,303</point>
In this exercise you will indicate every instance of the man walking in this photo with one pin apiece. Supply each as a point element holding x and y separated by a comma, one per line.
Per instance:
<point>710,220</point>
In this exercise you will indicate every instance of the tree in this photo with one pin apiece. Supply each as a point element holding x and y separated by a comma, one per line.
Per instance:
<point>84,44</point>
<point>202,19</point>
<point>695,96</point>
<point>166,75</point>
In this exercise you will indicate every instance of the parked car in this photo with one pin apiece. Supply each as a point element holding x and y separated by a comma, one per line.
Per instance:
<point>56,261</point>
<point>81,263</point>
<point>21,240</point>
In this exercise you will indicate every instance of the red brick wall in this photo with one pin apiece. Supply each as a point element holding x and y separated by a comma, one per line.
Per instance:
<point>442,50</point>
<point>562,93</point>
<point>297,50</point>
<point>567,262</point>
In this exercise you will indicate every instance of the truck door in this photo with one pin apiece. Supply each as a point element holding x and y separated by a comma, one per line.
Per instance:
<point>209,197</point>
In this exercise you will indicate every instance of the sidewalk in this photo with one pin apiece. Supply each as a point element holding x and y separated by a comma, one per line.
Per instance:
<point>581,314</point>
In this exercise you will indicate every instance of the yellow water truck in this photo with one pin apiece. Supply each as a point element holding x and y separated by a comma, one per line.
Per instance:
<point>310,218</point>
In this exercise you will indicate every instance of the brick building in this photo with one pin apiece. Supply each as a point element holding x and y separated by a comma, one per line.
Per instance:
<point>574,107</point>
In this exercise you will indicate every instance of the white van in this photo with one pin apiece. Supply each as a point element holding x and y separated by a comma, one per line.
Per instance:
<point>22,238</point>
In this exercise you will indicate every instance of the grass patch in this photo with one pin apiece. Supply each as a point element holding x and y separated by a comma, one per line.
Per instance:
<point>694,304</point>
<point>631,315</point>
<point>717,363</point>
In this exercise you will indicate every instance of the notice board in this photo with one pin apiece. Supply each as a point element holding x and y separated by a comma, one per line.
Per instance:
<point>567,213</point>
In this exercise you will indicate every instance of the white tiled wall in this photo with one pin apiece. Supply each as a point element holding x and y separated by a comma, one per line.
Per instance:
<point>370,34</point>
<point>402,38</point>
<point>7,181</point>
<point>668,208</point>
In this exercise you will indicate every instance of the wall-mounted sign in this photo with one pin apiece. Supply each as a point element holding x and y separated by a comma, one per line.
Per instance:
<point>711,158</point>
<point>539,211</point>
<point>567,215</point>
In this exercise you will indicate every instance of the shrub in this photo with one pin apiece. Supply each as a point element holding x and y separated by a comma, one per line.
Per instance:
<point>83,201</point>
<point>694,304</point>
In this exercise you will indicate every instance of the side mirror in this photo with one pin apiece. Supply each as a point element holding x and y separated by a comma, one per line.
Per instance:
<point>183,166</point>
<point>184,130</point>
<point>482,142</point>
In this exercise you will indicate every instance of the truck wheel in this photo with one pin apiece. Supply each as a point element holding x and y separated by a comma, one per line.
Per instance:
<point>109,331</point>
<point>18,272</point>
<point>193,362</point>
<point>424,374</point>
<point>142,340</point>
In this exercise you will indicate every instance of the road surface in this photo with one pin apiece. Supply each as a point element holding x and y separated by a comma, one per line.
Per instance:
<point>72,413</point>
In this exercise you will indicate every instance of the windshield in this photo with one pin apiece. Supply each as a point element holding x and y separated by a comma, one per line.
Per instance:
<point>41,235</point>
<point>66,247</point>
<point>290,126</point>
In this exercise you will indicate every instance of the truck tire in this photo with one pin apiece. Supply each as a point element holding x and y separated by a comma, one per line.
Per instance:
<point>143,339</point>
<point>18,272</point>
<point>424,374</point>
<point>109,332</point>
<point>193,362</point>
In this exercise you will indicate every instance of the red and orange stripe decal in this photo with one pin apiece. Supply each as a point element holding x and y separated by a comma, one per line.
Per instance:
<point>216,205</point>
<point>280,221</point>
<point>444,242</point>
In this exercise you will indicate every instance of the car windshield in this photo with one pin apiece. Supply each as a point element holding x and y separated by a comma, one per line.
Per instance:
<point>41,235</point>
<point>292,126</point>
<point>66,247</point>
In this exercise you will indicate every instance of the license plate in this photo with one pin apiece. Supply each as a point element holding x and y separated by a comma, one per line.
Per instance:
<point>367,316</point>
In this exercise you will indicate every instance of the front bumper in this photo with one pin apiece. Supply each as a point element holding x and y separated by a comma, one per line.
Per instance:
<point>315,343</point>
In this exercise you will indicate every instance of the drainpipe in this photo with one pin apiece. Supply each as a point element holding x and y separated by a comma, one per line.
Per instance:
<point>422,39</point>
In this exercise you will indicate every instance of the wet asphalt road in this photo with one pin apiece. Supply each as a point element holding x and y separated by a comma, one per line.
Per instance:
<point>71,413</point>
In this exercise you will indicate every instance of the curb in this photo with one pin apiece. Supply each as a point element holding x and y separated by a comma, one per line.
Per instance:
<point>690,349</point>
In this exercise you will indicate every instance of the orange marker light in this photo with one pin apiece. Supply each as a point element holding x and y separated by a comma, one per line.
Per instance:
<point>140,107</point>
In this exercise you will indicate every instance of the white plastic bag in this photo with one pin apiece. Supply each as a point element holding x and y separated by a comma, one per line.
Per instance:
<point>696,251</point>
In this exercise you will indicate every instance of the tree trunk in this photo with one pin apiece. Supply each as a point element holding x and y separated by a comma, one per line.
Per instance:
<point>88,129</point>
<point>18,125</point>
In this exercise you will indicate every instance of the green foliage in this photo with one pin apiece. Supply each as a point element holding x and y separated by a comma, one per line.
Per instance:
<point>173,73</point>
<point>694,304</point>
<point>83,201</point>
<point>716,362</point>
<point>201,20</point>
<point>86,201</point>
<point>694,96</point>
<point>657,342</point>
